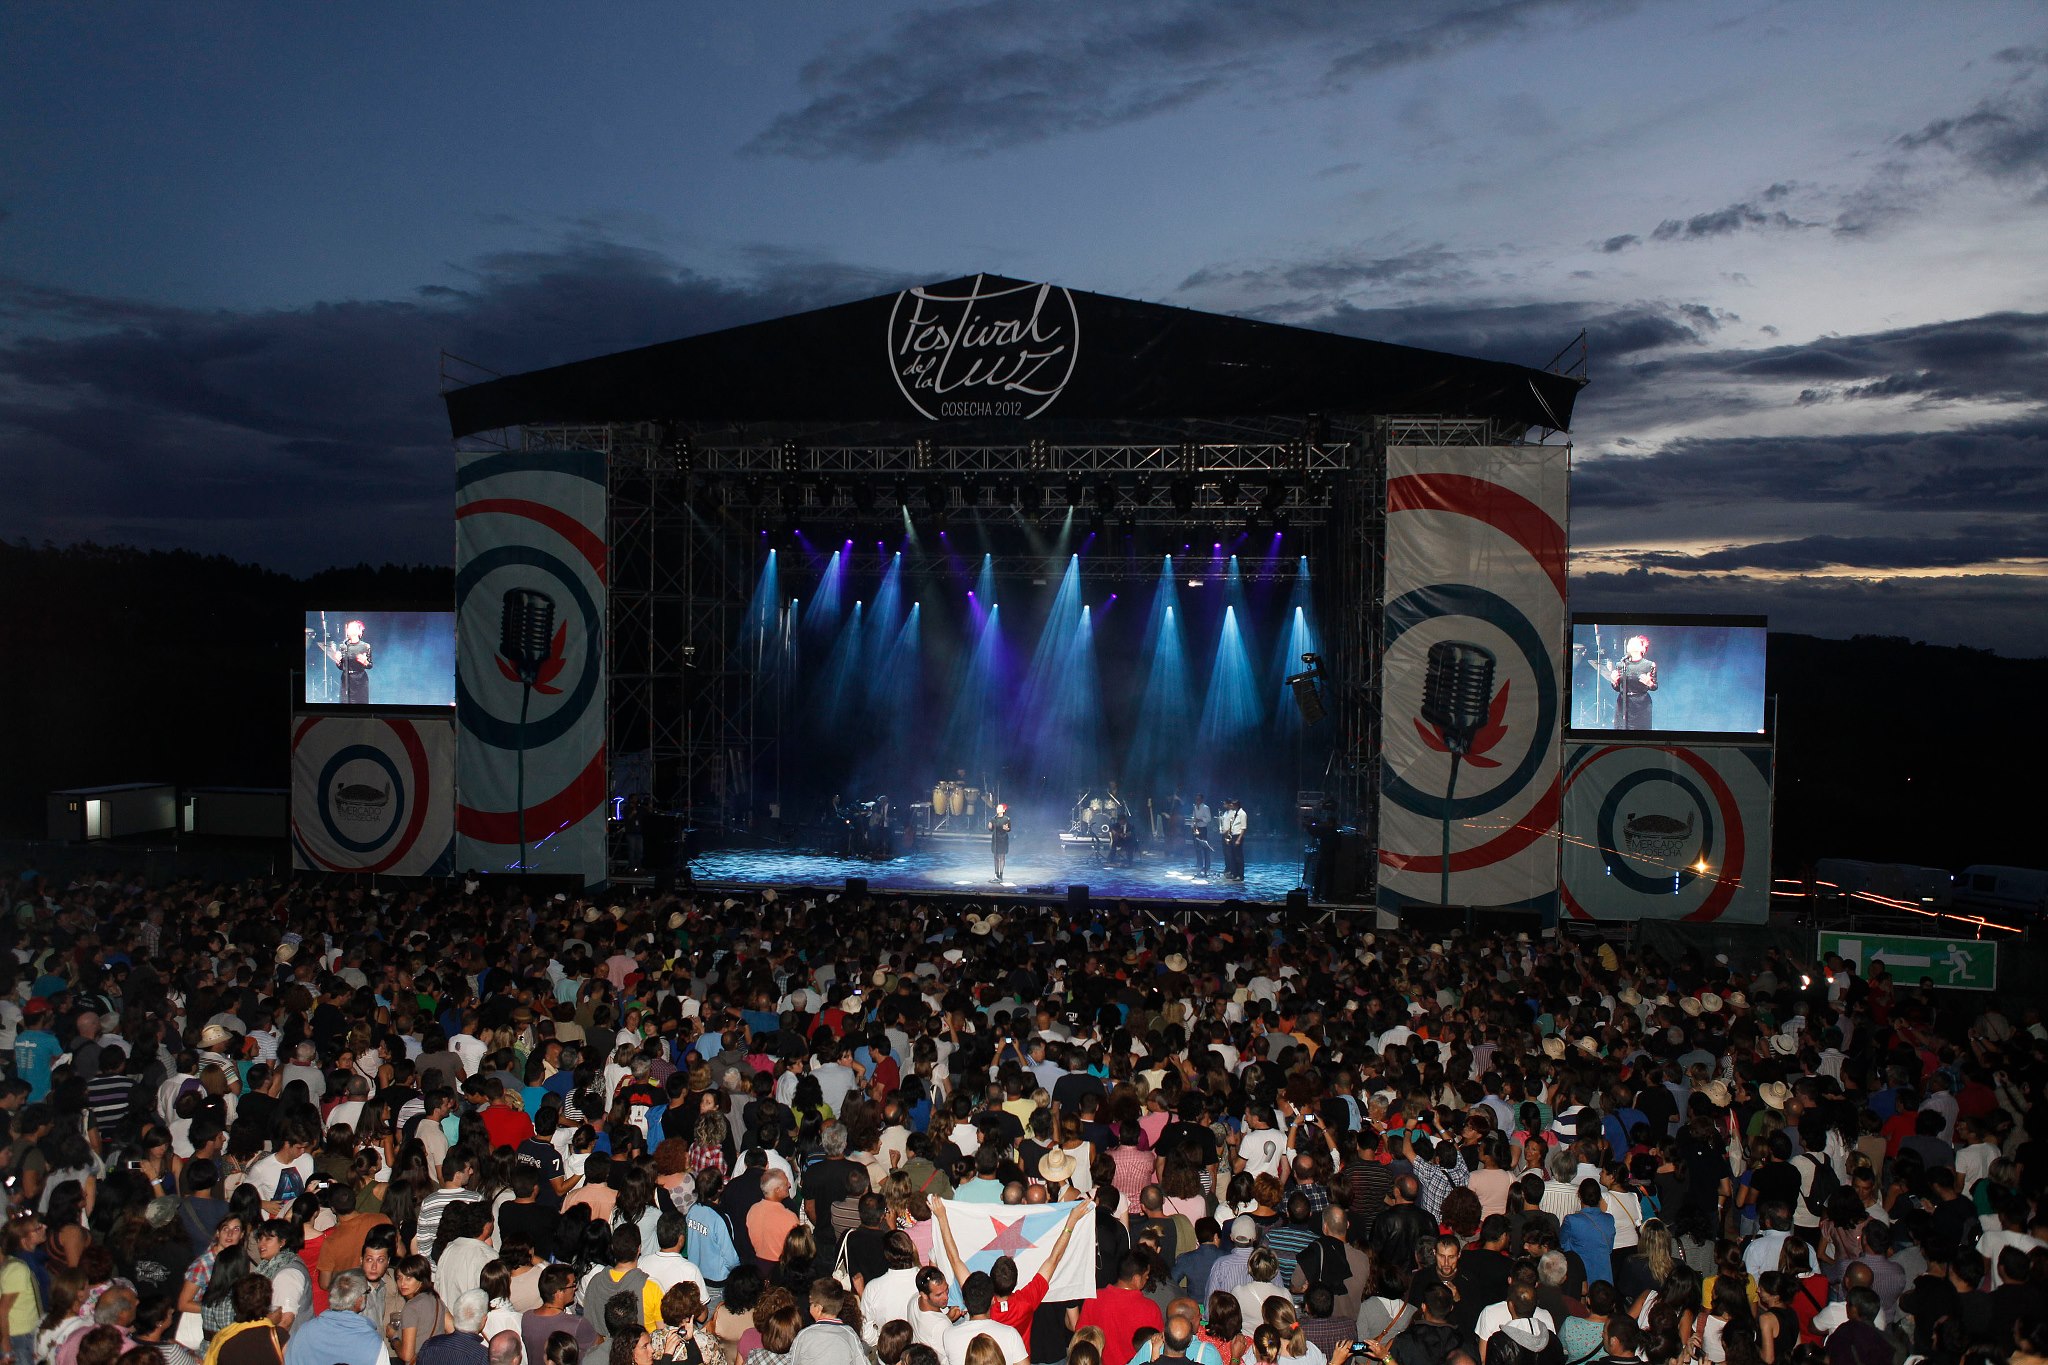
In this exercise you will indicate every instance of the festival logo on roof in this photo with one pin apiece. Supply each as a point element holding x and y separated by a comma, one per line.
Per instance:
<point>991,351</point>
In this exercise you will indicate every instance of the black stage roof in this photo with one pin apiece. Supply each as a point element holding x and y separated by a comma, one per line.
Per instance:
<point>988,347</point>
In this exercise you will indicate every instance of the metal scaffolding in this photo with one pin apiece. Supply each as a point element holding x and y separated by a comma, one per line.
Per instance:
<point>688,506</point>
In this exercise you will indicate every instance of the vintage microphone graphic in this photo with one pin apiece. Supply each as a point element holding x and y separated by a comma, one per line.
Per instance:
<point>526,632</point>
<point>1457,693</point>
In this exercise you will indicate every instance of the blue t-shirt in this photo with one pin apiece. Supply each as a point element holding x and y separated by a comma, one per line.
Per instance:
<point>35,1056</point>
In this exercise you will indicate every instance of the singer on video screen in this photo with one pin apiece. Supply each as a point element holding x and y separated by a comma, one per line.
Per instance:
<point>352,657</point>
<point>1633,680</point>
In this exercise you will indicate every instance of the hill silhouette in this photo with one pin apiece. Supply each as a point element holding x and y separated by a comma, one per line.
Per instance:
<point>124,665</point>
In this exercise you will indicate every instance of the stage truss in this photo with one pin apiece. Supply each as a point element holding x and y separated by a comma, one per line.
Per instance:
<point>694,722</point>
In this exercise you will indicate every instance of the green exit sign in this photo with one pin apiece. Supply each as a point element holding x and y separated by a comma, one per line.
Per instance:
<point>1961,964</point>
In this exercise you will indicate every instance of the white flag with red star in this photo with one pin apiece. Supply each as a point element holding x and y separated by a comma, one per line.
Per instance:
<point>1026,1233</point>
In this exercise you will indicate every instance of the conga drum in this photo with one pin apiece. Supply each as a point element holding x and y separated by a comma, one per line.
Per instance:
<point>939,797</point>
<point>956,799</point>
<point>972,796</point>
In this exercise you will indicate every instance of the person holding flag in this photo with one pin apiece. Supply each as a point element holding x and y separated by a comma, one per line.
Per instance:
<point>1013,1305</point>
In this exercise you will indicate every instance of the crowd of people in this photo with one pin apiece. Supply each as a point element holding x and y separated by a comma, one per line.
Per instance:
<point>291,1124</point>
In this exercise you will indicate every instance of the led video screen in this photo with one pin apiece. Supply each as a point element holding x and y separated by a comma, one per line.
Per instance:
<point>380,658</point>
<point>1690,675</point>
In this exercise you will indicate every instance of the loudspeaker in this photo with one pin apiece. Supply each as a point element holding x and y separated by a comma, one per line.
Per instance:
<point>1077,899</point>
<point>1307,700</point>
<point>1297,901</point>
<point>856,888</point>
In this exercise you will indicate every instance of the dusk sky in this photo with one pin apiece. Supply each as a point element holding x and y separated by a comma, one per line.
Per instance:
<point>1809,242</point>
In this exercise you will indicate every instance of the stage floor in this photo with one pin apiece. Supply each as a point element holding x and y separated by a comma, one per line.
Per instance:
<point>946,869</point>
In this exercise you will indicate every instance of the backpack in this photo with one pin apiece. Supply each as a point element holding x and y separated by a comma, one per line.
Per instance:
<point>1323,1262</point>
<point>1823,1185</point>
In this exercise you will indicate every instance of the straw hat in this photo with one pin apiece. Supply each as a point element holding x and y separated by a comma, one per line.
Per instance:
<point>1630,997</point>
<point>1774,1093</point>
<point>1737,1000</point>
<point>1784,1044</point>
<point>287,951</point>
<point>1553,1048</point>
<point>1691,1006</point>
<point>1176,963</point>
<point>1711,1003</point>
<point>214,1038</point>
<point>675,919</point>
<point>1589,1045</point>
<point>1716,1093</point>
<point>1055,1166</point>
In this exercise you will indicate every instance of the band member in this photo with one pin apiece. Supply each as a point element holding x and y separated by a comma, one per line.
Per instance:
<point>1232,826</point>
<point>1121,843</point>
<point>1198,830</point>
<point>878,828</point>
<point>999,838</point>
<point>352,657</point>
<point>1633,680</point>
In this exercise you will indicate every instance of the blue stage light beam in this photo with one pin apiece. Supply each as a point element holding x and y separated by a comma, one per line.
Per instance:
<point>839,685</point>
<point>1058,712</point>
<point>1159,735</point>
<point>977,723</point>
<point>823,611</point>
<point>1231,707</point>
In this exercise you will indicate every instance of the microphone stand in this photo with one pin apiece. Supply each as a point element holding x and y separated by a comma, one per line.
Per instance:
<point>1443,896</point>
<point>519,761</point>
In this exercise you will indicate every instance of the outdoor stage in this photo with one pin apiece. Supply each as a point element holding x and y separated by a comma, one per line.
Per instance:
<point>858,575</point>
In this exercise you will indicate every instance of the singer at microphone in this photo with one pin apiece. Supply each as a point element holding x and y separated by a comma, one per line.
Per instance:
<point>1633,680</point>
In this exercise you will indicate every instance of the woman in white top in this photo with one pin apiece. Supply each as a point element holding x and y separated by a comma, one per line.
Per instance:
<point>1625,1205</point>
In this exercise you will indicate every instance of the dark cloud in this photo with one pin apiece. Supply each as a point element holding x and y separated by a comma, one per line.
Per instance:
<point>1750,213</point>
<point>1999,468</point>
<point>1621,242</point>
<point>1526,334</point>
<point>1431,267</point>
<point>976,78</point>
<point>2006,135</point>
<point>1970,545</point>
<point>265,434</point>
<point>2002,612</point>
<point>2001,356</point>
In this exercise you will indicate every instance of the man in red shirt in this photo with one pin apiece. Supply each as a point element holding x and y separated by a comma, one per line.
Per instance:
<point>1014,1305</point>
<point>504,1121</point>
<point>1122,1311</point>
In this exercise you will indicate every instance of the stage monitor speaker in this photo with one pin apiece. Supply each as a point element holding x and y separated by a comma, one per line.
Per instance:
<point>1077,899</point>
<point>1297,902</point>
<point>856,888</point>
<point>1307,700</point>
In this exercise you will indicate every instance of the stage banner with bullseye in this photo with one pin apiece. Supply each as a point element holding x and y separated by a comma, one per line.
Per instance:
<point>1472,675</point>
<point>373,794</point>
<point>1666,831</point>
<point>530,555</point>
